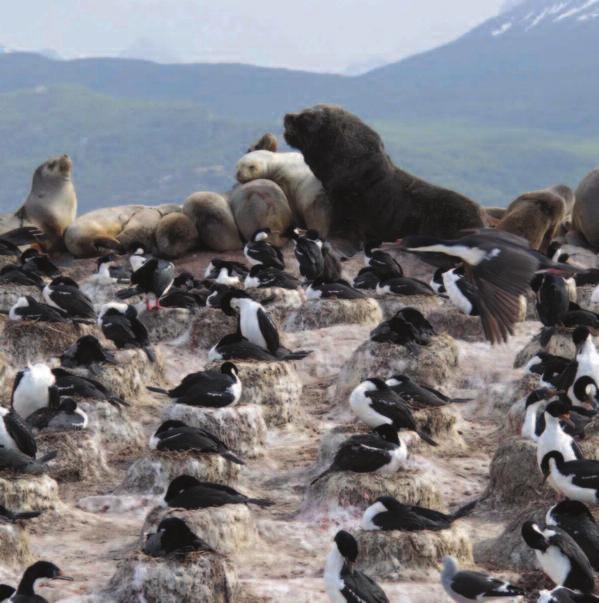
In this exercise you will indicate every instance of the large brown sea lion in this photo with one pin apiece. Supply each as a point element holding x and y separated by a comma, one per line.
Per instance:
<point>585,214</point>
<point>305,194</point>
<point>535,216</point>
<point>214,221</point>
<point>371,197</point>
<point>52,202</point>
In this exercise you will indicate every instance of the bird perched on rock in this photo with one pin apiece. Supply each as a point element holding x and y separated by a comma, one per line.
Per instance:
<point>210,388</point>
<point>154,278</point>
<point>87,352</point>
<point>261,276</point>
<point>402,285</point>
<point>28,308</point>
<point>71,384</point>
<point>237,347</point>
<point>343,583</point>
<point>15,275</point>
<point>577,479</point>
<point>376,404</point>
<point>366,279</point>
<point>35,262</point>
<point>33,388</point>
<point>177,436</point>
<point>259,251</point>
<point>315,257</point>
<point>381,262</point>
<point>575,518</point>
<point>387,514</point>
<point>120,324</point>
<point>560,557</point>
<point>186,492</point>
<point>320,289</point>
<point>380,452</point>
<point>173,538</point>
<point>63,415</point>
<point>464,586</point>
<point>255,325</point>
<point>499,265</point>
<point>46,570</point>
<point>63,294</point>
<point>408,328</point>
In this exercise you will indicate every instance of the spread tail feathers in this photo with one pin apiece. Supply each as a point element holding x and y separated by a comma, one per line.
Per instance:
<point>150,353</point>
<point>127,293</point>
<point>296,355</point>
<point>157,390</point>
<point>261,502</point>
<point>427,438</point>
<point>23,235</point>
<point>465,510</point>
<point>26,515</point>
<point>233,458</point>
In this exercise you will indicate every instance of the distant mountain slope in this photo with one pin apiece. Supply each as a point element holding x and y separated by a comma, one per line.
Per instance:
<point>508,107</point>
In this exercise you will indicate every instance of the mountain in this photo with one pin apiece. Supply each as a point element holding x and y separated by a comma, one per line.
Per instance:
<point>508,107</point>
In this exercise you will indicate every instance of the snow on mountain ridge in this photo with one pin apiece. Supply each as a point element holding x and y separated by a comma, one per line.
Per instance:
<point>532,14</point>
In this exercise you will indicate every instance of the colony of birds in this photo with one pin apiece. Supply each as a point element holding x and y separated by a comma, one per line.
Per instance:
<point>111,324</point>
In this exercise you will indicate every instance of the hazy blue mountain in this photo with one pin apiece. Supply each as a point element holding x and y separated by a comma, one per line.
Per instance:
<point>508,107</point>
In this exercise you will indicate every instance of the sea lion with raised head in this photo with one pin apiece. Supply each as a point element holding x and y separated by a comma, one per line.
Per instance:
<point>305,194</point>
<point>213,218</point>
<point>535,216</point>
<point>585,213</point>
<point>52,202</point>
<point>262,204</point>
<point>372,199</point>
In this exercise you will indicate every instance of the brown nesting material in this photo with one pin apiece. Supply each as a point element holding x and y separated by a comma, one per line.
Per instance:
<point>279,303</point>
<point>274,386</point>
<point>28,341</point>
<point>433,364</point>
<point>130,375</point>
<point>583,297</point>
<point>451,321</point>
<point>152,474</point>
<point>411,555</point>
<point>80,456</point>
<point>115,427</point>
<point>14,545</point>
<point>227,529</point>
<point>514,477</point>
<point>167,324</point>
<point>513,407</point>
<point>28,492</point>
<point>441,424</point>
<point>321,313</point>
<point>209,326</point>
<point>9,294</point>
<point>508,551</point>
<point>200,577</point>
<point>391,304</point>
<point>560,344</point>
<point>348,489</point>
<point>241,427</point>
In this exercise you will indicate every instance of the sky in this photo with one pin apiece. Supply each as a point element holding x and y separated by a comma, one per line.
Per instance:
<point>343,36</point>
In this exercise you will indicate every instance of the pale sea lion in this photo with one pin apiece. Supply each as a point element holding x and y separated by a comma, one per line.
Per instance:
<point>115,228</point>
<point>585,214</point>
<point>262,204</point>
<point>372,198</point>
<point>213,218</point>
<point>535,216</point>
<point>268,142</point>
<point>52,202</point>
<point>305,194</point>
<point>176,235</point>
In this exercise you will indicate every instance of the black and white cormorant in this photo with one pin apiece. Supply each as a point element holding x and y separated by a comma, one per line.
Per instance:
<point>562,560</point>
<point>561,594</point>
<point>266,276</point>
<point>388,514</point>
<point>28,308</point>
<point>186,492</point>
<point>15,275</point>
<point>154,278</point>
<point>225,272</point>
<point>381,262</point>
<point>403,285</point>
<point>33,388</point>
<point>366,279</point>
<point>320,289</point>
<point>236,347</point>
<point>62,415</point>
<point>407,327</point>
<point>87,352</point>
<point>63,293</point>
<point>173,538</point>
<point>39,570</point>
<point>35,262</point>
<point>375,403</point>
<point>344,583</point>
<point>71,384</point>
<point>15,434</point>
<point>465,586</point>
<point>552,298</point>
<point>421,396</point>
<point>207,388</point>
<point>260,251</point>
<point>576,480</point>
<point>176,436</point>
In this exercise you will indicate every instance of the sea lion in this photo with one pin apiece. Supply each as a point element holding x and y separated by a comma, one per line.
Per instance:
<point>175,235</point>
<point>566,193</point>
<point>268,142</point>
<point>492,215</point>
<point>305,194</point>
<point>213,218</point>
<point>372,198</point>
<point>52,202</point>
<point>262,204</point>
<point>535,216</point>
<point>116,228</point>
<point>585,213</point>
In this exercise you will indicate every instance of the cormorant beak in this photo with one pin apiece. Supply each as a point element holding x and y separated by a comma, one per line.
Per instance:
<point>61,576</point>
<point>567,420</point>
